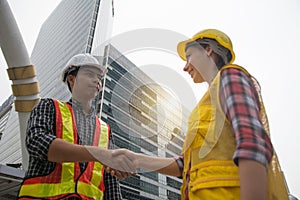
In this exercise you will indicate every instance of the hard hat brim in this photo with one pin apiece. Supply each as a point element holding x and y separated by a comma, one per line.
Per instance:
<point>96,66</point>
<point>214,34</point>
<point>181,48</point>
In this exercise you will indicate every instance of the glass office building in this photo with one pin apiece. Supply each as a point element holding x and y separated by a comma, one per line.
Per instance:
<point>72,28</point>
<point>143,116</point>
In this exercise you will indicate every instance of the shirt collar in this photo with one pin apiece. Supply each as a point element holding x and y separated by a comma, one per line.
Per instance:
<point>77,105</point>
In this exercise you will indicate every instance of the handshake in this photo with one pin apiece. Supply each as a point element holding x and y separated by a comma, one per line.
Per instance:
<point>123,163</point>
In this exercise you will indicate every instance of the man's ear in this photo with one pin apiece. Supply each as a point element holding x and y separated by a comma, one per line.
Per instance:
<point>71,80</point>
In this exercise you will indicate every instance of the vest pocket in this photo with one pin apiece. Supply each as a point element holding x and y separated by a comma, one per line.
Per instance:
<point>212,174</point>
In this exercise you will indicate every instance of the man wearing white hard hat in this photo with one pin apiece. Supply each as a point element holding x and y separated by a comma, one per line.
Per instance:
<point>68,144</point>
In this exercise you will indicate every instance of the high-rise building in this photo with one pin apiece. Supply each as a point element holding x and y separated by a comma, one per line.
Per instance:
<point>73,27</point>
<point>143,116</point>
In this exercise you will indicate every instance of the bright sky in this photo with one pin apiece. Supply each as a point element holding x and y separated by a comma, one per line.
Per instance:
<point>265,36</point>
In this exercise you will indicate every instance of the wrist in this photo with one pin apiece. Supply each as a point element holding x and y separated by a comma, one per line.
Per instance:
<point>138,160</point>
<point>97,154</point>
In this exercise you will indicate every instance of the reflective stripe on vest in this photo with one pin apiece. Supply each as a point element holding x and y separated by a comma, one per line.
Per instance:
<point>66,178</point>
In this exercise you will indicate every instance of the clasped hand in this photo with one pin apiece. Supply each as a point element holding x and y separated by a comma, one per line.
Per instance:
<point>119,162</point>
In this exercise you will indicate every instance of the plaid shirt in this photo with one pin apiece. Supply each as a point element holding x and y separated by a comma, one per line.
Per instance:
<point>241,105</point>
<point>239,101</point>
<point>41,132</point>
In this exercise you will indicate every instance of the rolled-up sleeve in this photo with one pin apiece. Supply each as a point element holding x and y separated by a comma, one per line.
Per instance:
<point>180,163</point>
<point>41,129</point>
<point>240,103</point>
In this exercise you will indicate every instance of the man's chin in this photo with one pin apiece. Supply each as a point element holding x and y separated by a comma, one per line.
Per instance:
<point>91,95</point>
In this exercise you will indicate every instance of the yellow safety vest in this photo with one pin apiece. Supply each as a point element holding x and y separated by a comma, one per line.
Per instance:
<point>66,180</point>
<point>208,151</point>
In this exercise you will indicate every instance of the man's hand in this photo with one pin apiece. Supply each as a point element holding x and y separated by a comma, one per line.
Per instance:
<point>121,160</point>
<point>119,174</point>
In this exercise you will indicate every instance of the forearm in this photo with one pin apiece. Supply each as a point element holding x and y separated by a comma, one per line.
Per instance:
<point>253,180</point>
<point>167,166</point>
<point>62,151</point>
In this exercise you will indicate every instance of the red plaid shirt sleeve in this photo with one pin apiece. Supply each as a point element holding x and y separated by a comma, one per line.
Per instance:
<point>239,101</point>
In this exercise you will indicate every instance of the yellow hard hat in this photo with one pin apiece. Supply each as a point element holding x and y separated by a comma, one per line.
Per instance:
<point>215,34</point>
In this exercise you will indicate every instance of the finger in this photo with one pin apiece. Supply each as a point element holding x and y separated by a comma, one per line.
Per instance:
<point>108,169</point>
<point>119,175</point>
<point>123,175</point>
<point>113,172</point>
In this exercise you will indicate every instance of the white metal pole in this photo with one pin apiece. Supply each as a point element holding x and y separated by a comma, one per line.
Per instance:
<point>20,70</point>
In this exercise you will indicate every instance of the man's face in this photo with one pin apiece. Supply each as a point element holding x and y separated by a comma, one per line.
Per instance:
<point>87,82</point>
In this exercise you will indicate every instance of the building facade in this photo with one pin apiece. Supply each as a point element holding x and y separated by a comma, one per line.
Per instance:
<point>143,116</point>
<point>69,30</point>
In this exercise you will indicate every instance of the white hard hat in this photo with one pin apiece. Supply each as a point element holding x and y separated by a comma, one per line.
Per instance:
<point>82,60</point>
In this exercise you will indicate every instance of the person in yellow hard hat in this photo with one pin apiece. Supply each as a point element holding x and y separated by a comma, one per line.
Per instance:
<point>231,150</point>
<point>227,149</point>
<point>64,137</point>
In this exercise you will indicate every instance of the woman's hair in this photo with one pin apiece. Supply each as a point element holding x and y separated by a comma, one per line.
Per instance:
<point>223,55</point>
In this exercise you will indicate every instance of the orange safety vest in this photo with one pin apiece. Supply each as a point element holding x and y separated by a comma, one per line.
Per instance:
<point>209,147</point>
<point>66,180</point>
